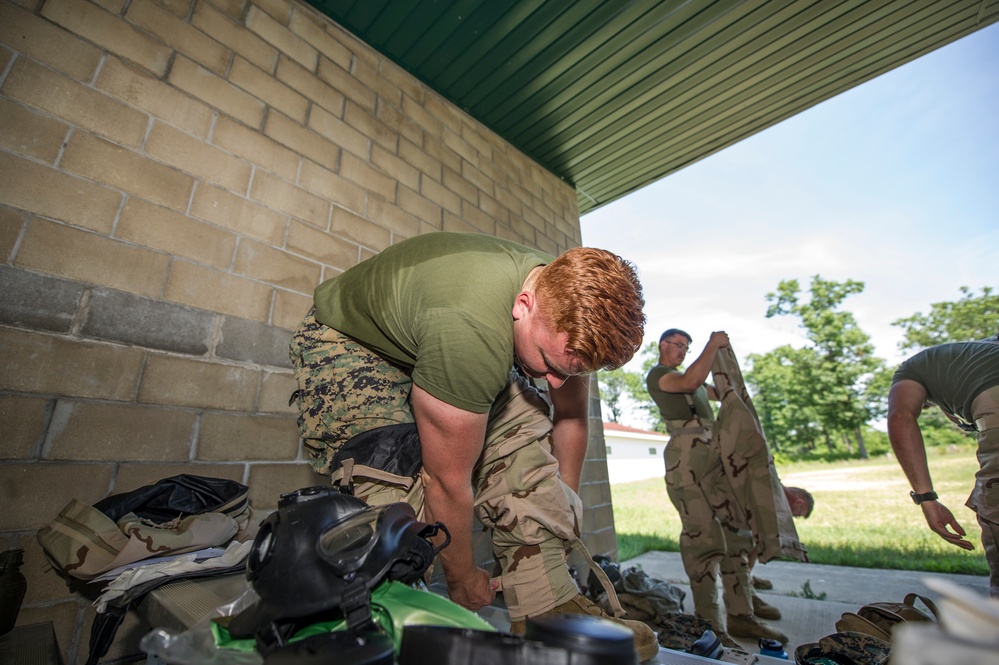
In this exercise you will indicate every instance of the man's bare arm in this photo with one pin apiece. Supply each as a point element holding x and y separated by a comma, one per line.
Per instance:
<point>905,402</point>
<point>451,441</point>
<point>571,432</point>
<point>696,374</point>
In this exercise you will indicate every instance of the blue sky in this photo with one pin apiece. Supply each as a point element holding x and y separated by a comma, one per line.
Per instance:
<point>894,183</point>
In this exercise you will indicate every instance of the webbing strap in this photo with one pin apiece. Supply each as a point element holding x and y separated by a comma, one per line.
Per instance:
<point>577,545</point>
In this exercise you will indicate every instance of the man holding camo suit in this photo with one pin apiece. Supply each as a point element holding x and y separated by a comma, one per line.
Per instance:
<point>717,541</point>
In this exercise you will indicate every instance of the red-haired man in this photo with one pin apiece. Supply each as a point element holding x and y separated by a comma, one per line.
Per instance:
<point>418,363</point>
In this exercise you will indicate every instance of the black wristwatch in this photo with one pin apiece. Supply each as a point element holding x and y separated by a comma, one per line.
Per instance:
<point>926,496</point>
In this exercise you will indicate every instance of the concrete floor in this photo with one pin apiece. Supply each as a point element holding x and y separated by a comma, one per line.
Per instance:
<point>806,620</point>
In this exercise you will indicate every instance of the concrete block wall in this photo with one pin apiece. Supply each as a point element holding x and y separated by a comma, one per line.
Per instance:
<point>176,176</point>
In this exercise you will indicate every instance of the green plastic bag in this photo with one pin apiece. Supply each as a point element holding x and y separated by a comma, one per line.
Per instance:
<point>394,606</point>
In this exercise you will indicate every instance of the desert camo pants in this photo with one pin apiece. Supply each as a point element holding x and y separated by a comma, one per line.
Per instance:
<point>715,540</point>
<point>345,389</point>
<point>984,499</point>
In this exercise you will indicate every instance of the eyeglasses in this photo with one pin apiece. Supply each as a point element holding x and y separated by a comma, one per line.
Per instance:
<point>682,347</point>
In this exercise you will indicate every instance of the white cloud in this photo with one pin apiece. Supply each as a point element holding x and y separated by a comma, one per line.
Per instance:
<point>892,183</point>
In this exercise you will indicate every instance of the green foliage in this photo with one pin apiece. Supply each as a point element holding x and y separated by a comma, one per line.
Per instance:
<point>613,384</point>
<point>863,515</point>
<point>827,392</point>
<point>939,431</point>
<point>616,384</point>
<point>970,317</point>
<point>875,442</point>
<point>806,592</point>
<point>783,382</point>
<point>816,402</point>
<point>640,393</point>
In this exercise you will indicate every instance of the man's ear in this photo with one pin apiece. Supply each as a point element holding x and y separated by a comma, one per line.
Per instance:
<point>523,304</point>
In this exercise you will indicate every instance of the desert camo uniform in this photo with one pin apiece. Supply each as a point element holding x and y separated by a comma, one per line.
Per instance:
<point>963,380</point>
<point>715,539</point>
<point>435,310</point>
<point>720,478</point>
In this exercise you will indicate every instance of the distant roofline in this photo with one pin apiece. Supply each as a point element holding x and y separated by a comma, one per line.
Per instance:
<point>624,429</point>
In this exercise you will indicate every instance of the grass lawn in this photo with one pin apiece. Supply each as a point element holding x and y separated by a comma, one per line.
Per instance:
<point>863,515</point>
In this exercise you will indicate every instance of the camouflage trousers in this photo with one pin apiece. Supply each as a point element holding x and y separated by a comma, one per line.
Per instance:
<point>715,540</point>
<point>984,499</point>
<point>344,390</point>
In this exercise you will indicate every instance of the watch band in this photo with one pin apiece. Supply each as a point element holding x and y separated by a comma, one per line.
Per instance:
<point>926,496</point>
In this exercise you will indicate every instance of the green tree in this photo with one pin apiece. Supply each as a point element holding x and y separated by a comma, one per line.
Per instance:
<point>781,380</point>
<point>833,387</point>
<point>620,383</point>
<point>613,386</point>
<point>640,393</point>
<point>970,317</point>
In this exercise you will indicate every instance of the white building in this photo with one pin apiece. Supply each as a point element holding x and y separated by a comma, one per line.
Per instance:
<point>633,454</point>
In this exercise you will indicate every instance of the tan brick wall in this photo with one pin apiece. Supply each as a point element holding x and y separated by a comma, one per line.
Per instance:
<point>179,174</point>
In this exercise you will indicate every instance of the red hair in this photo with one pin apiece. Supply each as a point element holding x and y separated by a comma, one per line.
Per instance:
<point>595,297</point>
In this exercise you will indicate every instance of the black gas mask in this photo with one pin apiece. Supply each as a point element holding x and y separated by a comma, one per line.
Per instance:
<point>319,555</point>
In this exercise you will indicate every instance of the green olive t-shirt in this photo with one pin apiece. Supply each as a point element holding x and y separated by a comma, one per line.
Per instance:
<point>954,374</point>
<point>439,304</point>
<point>674,406</point>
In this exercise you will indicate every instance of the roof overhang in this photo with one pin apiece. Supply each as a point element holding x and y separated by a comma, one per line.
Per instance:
<point>614,95</point>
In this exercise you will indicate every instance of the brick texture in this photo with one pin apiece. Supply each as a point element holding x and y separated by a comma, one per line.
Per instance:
<point>20,483</point>
<point>253,342</point>
<point>30,134</point>
<point>176,177</point>
<point>23,290</point>
<point>224,435</point>
<point>175,234</point>
<point>90,257</point>
<point>72,101</point>
<point>47,43</point>
<point>183,382</point>
<point>99,432</point>
<point>109,32</point>
<point>55,365</point>
<point>23,421</point>
<point>41,190</point>
<point>131,172</point>
<point>153,324</point>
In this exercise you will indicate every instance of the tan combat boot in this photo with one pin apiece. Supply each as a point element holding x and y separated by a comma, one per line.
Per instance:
<point>764,610</point>
<point>646,644</point>
<point>748,625</point>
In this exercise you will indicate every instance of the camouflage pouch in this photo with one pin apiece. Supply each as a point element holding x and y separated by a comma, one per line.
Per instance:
<point>678,631</point>
<point>178,514</point>
<point>851,622</point>
<point>845,648</point>
<point>878,619</point>
<point>388,455</point>
<point>83,542</point>
<point>865,649</point>
<point>886,615</point>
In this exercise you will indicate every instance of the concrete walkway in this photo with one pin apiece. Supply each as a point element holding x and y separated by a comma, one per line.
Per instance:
<point>804,619</point>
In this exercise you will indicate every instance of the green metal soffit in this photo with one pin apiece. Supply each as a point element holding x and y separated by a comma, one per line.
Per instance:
<point>614,95</point>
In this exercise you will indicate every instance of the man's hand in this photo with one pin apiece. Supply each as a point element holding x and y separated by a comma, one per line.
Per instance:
<point>939,517</point>
<point>472,592</point>
<point>719,339</point>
